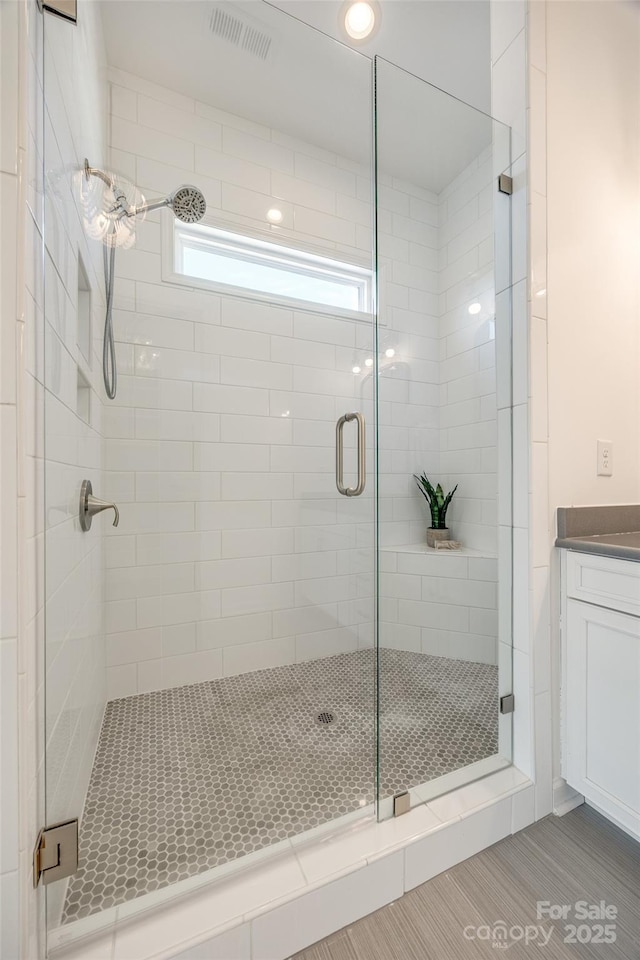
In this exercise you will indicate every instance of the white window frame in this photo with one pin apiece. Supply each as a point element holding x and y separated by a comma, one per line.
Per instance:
<point>264,248</point>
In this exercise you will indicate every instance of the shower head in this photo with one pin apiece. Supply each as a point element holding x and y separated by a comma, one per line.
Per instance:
<point>187,203</point>
<point>112,204</point>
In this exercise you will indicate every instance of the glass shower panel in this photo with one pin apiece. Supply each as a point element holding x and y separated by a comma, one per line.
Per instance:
<point>210,659</point>
<point>444,315</point>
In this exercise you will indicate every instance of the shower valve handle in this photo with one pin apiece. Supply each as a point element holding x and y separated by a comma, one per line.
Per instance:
<point>90,505</point>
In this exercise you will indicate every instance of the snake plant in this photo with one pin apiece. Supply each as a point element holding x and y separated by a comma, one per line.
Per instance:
<point>438,503</point>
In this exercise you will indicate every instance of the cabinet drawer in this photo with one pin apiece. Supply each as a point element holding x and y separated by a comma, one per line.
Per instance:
<point>604,580</point>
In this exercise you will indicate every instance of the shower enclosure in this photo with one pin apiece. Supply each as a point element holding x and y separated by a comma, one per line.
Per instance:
<point>265,648</point>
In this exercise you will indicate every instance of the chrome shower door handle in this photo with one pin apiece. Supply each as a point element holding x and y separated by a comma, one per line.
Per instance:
<point>362,478</point>
<point>90,505</point>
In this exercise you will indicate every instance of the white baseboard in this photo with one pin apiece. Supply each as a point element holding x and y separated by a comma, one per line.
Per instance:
<point>565,798</point>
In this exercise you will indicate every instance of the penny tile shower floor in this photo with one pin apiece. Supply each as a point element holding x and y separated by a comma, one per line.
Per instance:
<point>190,778</point>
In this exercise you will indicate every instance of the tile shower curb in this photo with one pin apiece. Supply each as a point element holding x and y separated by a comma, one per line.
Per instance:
<point>273,910</point>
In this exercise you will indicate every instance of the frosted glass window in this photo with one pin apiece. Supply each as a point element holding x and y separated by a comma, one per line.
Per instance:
<point>244,264</point>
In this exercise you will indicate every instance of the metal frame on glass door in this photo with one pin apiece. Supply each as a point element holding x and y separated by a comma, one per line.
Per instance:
<point>67,9</point>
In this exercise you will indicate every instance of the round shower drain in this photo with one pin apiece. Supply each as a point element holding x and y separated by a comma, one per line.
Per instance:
<point>325,717</point>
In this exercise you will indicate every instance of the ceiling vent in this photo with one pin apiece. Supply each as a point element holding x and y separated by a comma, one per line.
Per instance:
<point>239,30</point>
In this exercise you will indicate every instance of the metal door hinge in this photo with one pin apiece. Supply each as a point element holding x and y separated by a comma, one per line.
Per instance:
<point>401,803</point>
<point>507,703</point>
<point>55,855</point>
<point>505,184</point>
<point>67,9</point>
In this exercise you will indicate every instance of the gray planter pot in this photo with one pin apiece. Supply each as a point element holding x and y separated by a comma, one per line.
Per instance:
<point>434,534</point>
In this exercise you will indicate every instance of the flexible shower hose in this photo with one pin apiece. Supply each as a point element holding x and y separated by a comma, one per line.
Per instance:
<point>109,368</point>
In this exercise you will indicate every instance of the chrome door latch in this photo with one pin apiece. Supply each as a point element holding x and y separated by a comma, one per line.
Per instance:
<point>90,505</point>
<point>507,703</point>
<point>55,855</point>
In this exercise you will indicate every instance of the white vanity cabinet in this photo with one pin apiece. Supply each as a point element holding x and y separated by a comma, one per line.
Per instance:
<point>601,683</point>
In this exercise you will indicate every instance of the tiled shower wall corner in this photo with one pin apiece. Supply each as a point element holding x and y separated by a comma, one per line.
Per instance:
<point>75,128</point>
<point>442,604</point>
<point>468,431</point>
<point>447,605</point>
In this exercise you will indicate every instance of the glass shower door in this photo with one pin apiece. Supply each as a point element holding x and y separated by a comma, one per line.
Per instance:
<point>444,327</point>
<point>210,661</point>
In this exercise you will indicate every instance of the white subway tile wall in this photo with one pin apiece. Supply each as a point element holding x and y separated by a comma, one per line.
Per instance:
<point>220,443</point>
<point>440,603</point>
<point>468,414</point>
<point>233,552</point>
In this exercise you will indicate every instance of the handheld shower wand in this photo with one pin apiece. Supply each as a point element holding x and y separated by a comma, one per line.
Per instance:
<point>187,204</point>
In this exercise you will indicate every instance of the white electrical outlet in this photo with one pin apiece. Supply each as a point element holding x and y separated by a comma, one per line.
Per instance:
<point>605,458</point>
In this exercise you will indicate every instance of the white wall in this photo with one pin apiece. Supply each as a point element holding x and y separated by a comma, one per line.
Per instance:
<point>573,111</point>
<point>593,114</point>
<point>593,153</point>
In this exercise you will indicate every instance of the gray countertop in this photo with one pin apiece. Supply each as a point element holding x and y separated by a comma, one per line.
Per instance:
<point>622,545</point>
<point>611,531</point>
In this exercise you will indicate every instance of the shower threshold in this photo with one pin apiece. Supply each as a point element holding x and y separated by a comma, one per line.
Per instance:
<point>191,778</point>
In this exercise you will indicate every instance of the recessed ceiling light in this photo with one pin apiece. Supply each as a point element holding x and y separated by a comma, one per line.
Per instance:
<point>389,352</point>
<point>355,370</point>
<point>475,308</point>
<point>275,215</point>
<point>359,20</point>
<point>368,362</point>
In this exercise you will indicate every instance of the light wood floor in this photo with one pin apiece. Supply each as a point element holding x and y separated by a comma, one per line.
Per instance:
<point>562,860</point>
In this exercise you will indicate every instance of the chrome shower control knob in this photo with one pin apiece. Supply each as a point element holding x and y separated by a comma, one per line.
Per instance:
<point>90,505</point>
